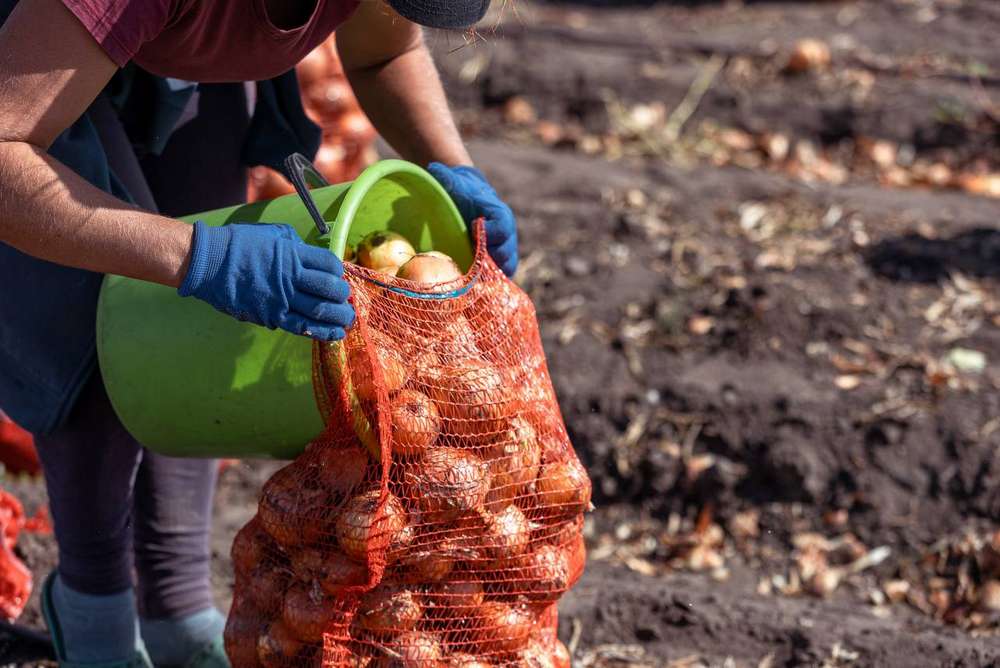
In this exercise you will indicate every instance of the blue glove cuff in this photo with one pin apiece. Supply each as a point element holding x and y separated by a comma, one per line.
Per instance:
<point>208,251</point>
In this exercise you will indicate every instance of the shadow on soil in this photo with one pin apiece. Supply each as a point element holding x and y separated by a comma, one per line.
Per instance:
<point>917,259</point>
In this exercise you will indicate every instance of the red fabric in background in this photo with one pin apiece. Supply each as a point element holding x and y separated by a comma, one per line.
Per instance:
<point>17,448</point>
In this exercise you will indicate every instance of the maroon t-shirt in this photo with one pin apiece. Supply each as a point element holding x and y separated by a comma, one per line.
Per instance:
<point>205,40</point>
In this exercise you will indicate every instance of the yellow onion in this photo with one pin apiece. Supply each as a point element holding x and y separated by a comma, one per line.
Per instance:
<point>383,249</point>
<point>342,470</point>
<point>394,372</point>
<point>535,655</point>
<point>473,399</point>
<point>412,650</point>
<point>308,613</point>
<point>363,526</point>
<point>388,610</point>
<point>461,598</point>
<point>251,545</point>
<point>563,489</point>
<point>507,534</point>
<point>542,575</point>
<point>240,638</point>
<point>467,661</point>
<point>516,453</point>
<point>431,270</point>
<point>500,627</point>
<point>415,422</point>
<point>277,647</point>
<point>446,483</point>
<point>265,587</point>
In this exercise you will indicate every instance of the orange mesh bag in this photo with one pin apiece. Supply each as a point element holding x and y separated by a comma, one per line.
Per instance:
<point>439,519</point>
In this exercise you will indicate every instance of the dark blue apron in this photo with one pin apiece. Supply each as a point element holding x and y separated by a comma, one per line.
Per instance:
<point>47,311</point>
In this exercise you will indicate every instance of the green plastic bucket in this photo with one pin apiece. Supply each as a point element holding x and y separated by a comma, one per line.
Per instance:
<point>189,381</point>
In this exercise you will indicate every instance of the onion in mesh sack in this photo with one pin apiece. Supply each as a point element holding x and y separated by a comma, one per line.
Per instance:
<point>394,371</point>
<point>251,545</point>
<point>362,527</point>
<point>542,575</point>
<point>461,598</point>
<point>506,535</point>
<point>499,627</point>
<point>446,483</point>
<point>331,569</point>
<point>388,610</point>
<point>341,469</point>
<point>265,587</point>
<point>513,460</point>
<point>431,269</point>
<point>563,489</point>
<point>415,422</point>
<point>291,513</point>
<point>473,399</point>
<point>240,639</point>
<point>277,647</point>
<point>535,655</point>
<point>308,612</point>
<point>415,649</point>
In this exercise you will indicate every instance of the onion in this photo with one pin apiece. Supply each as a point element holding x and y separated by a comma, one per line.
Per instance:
<point>364,526</point>
<point>543,575</point>
<point>467,661</point>
<point>308,613</point>
<point>394,373</point>
<point>290,513</point>
<point>503,628</point>
<point>251,546</point>
<point>427,566</point>
<point>268,184</point>
<point>379,250</point>
<point>563,488</point>
<point>454,599</point>
<point>350,254</point>
<point>314,68</point>
<point>435,271</point>
<point>265,587</point>
<point>473,398</point>
<point>329,98</point>
<point>561,657</point>
<point>329,161</point>
<point>535,655</point>
<point>577,557</point>
<point>354,127</point>
<point>240,639</point>
<point>415,422</point>
<point>389,609</point>
<point>446,483</point>
<point>412,650</point>
<point>342,469</point>
<point>808,54</point>
<point>330,568</point>
<point>516,453</point>
<point>277,647</point>
<point>456,340</point>
<point>507,534</point>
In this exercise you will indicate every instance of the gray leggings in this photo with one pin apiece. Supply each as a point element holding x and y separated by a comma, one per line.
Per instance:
<point>123,515</point>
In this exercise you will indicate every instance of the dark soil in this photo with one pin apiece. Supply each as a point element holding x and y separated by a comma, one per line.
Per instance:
<point>733,343</point>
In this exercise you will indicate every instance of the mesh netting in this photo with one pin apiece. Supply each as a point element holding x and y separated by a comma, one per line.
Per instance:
<point>439,518</point>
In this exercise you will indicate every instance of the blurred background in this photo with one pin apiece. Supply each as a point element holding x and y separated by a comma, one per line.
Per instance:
<point>763,240</point>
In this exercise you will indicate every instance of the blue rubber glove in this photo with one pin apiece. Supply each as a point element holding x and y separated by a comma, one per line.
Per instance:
<point>265,274</point>
<point>474,197</point>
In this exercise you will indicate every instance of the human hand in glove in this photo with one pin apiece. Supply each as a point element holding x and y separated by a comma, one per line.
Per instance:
<point>267,275</point>
<point>475,198</point>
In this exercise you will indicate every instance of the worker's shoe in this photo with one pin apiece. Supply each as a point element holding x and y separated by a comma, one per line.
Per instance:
<point>192,641</point>
<point>212,655</point>
<point>58,634</point>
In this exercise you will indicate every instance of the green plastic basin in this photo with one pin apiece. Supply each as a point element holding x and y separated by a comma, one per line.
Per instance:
<point>189,381</point>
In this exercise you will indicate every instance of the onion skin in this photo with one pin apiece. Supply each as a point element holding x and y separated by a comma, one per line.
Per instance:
<point>503,628</point>
<point>291,513</point>
<point>240,639</point>
<point>382,250</point>
<point>516,454</point>
<point>473,399</point>
<point>415,649</point>
<point>388,610</point>
<point>460,599</point>
<point>415,422</point>
<point>265,588</point>
<point>507,534</point>
<point>561,657</point>
<point>434,271</point>
<point>342,470</point>
<point>446,483</point>
<point>251,546</point>
<point>394,371</point>
<point>277,647</point>
<point>308,613</point>
<point>361,528</point>
<point>563,489</point>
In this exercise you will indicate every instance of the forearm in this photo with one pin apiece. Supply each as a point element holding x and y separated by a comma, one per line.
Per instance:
<point>406,102</point>
<point>49,212</point>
